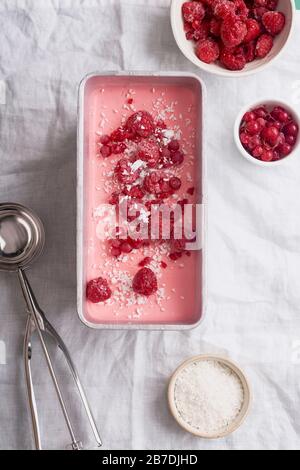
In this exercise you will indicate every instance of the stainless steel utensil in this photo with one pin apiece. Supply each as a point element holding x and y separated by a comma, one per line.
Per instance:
<point>22,240</point>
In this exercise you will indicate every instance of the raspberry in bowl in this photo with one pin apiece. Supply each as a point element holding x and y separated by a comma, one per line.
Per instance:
<point>232,37</point>
<point>267,133</point>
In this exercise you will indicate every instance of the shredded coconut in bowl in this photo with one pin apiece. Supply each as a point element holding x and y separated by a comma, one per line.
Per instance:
<point>209,397</point>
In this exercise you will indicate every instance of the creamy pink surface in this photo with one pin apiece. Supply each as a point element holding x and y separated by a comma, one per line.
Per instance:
<point>179,100</point>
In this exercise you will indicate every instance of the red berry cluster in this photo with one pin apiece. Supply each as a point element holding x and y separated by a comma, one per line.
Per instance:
<point>233,32</point>
<point>143,173</point>
<point>98,291</point>
<point>268,134</point>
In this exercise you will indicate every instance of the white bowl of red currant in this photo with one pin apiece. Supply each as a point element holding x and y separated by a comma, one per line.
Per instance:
<point>232,37</point>
<point>267,132</point>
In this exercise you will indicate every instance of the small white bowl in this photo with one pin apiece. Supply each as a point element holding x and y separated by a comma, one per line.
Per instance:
<point>246,404</point>
<point>269,103</point>
<point>188,47</point>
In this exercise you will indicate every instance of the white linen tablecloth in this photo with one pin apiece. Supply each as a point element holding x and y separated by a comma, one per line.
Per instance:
<point>253,235</point>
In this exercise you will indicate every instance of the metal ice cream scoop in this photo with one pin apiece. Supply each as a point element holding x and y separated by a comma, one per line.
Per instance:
<point>22,239</point>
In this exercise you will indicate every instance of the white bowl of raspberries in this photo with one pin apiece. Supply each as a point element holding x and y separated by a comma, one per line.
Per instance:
<point>232,37</point>
<point>267,132</point>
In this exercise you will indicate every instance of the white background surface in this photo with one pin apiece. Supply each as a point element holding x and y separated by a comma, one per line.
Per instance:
<point>253,232</point>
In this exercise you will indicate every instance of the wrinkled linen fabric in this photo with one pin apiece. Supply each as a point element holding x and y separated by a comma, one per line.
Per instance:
<point>253,312</point>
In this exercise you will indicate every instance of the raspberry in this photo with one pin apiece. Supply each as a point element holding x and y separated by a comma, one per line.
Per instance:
<point>233,59</point>
<point>152,183</point>
<point>124,172</point>
<point>174,146</point>
<point>175,183</point>
<point>98,291</point>
<point>253,30</point>
<point>106,151</point>
<point>145,262</point>
<point>141,124</point>
<point>241,9</point>
<point>208,51</point>
<point>223,8</point>
<point>233,31</point>
<point>274,22</point>
<point>193,11</point>
<point>145,282</point>
<point>264,45</point>
<point>148,151</point>
<point>178,158</point>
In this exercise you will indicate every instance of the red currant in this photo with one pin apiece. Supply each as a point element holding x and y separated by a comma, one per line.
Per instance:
<point>270,135</point>
<point>175,183</point>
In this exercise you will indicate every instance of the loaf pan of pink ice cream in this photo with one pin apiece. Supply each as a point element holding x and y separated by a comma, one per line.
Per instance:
<point>106,101</point>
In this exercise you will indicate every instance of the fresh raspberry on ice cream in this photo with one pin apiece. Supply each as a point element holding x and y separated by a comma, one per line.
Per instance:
<point>145,282</point>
